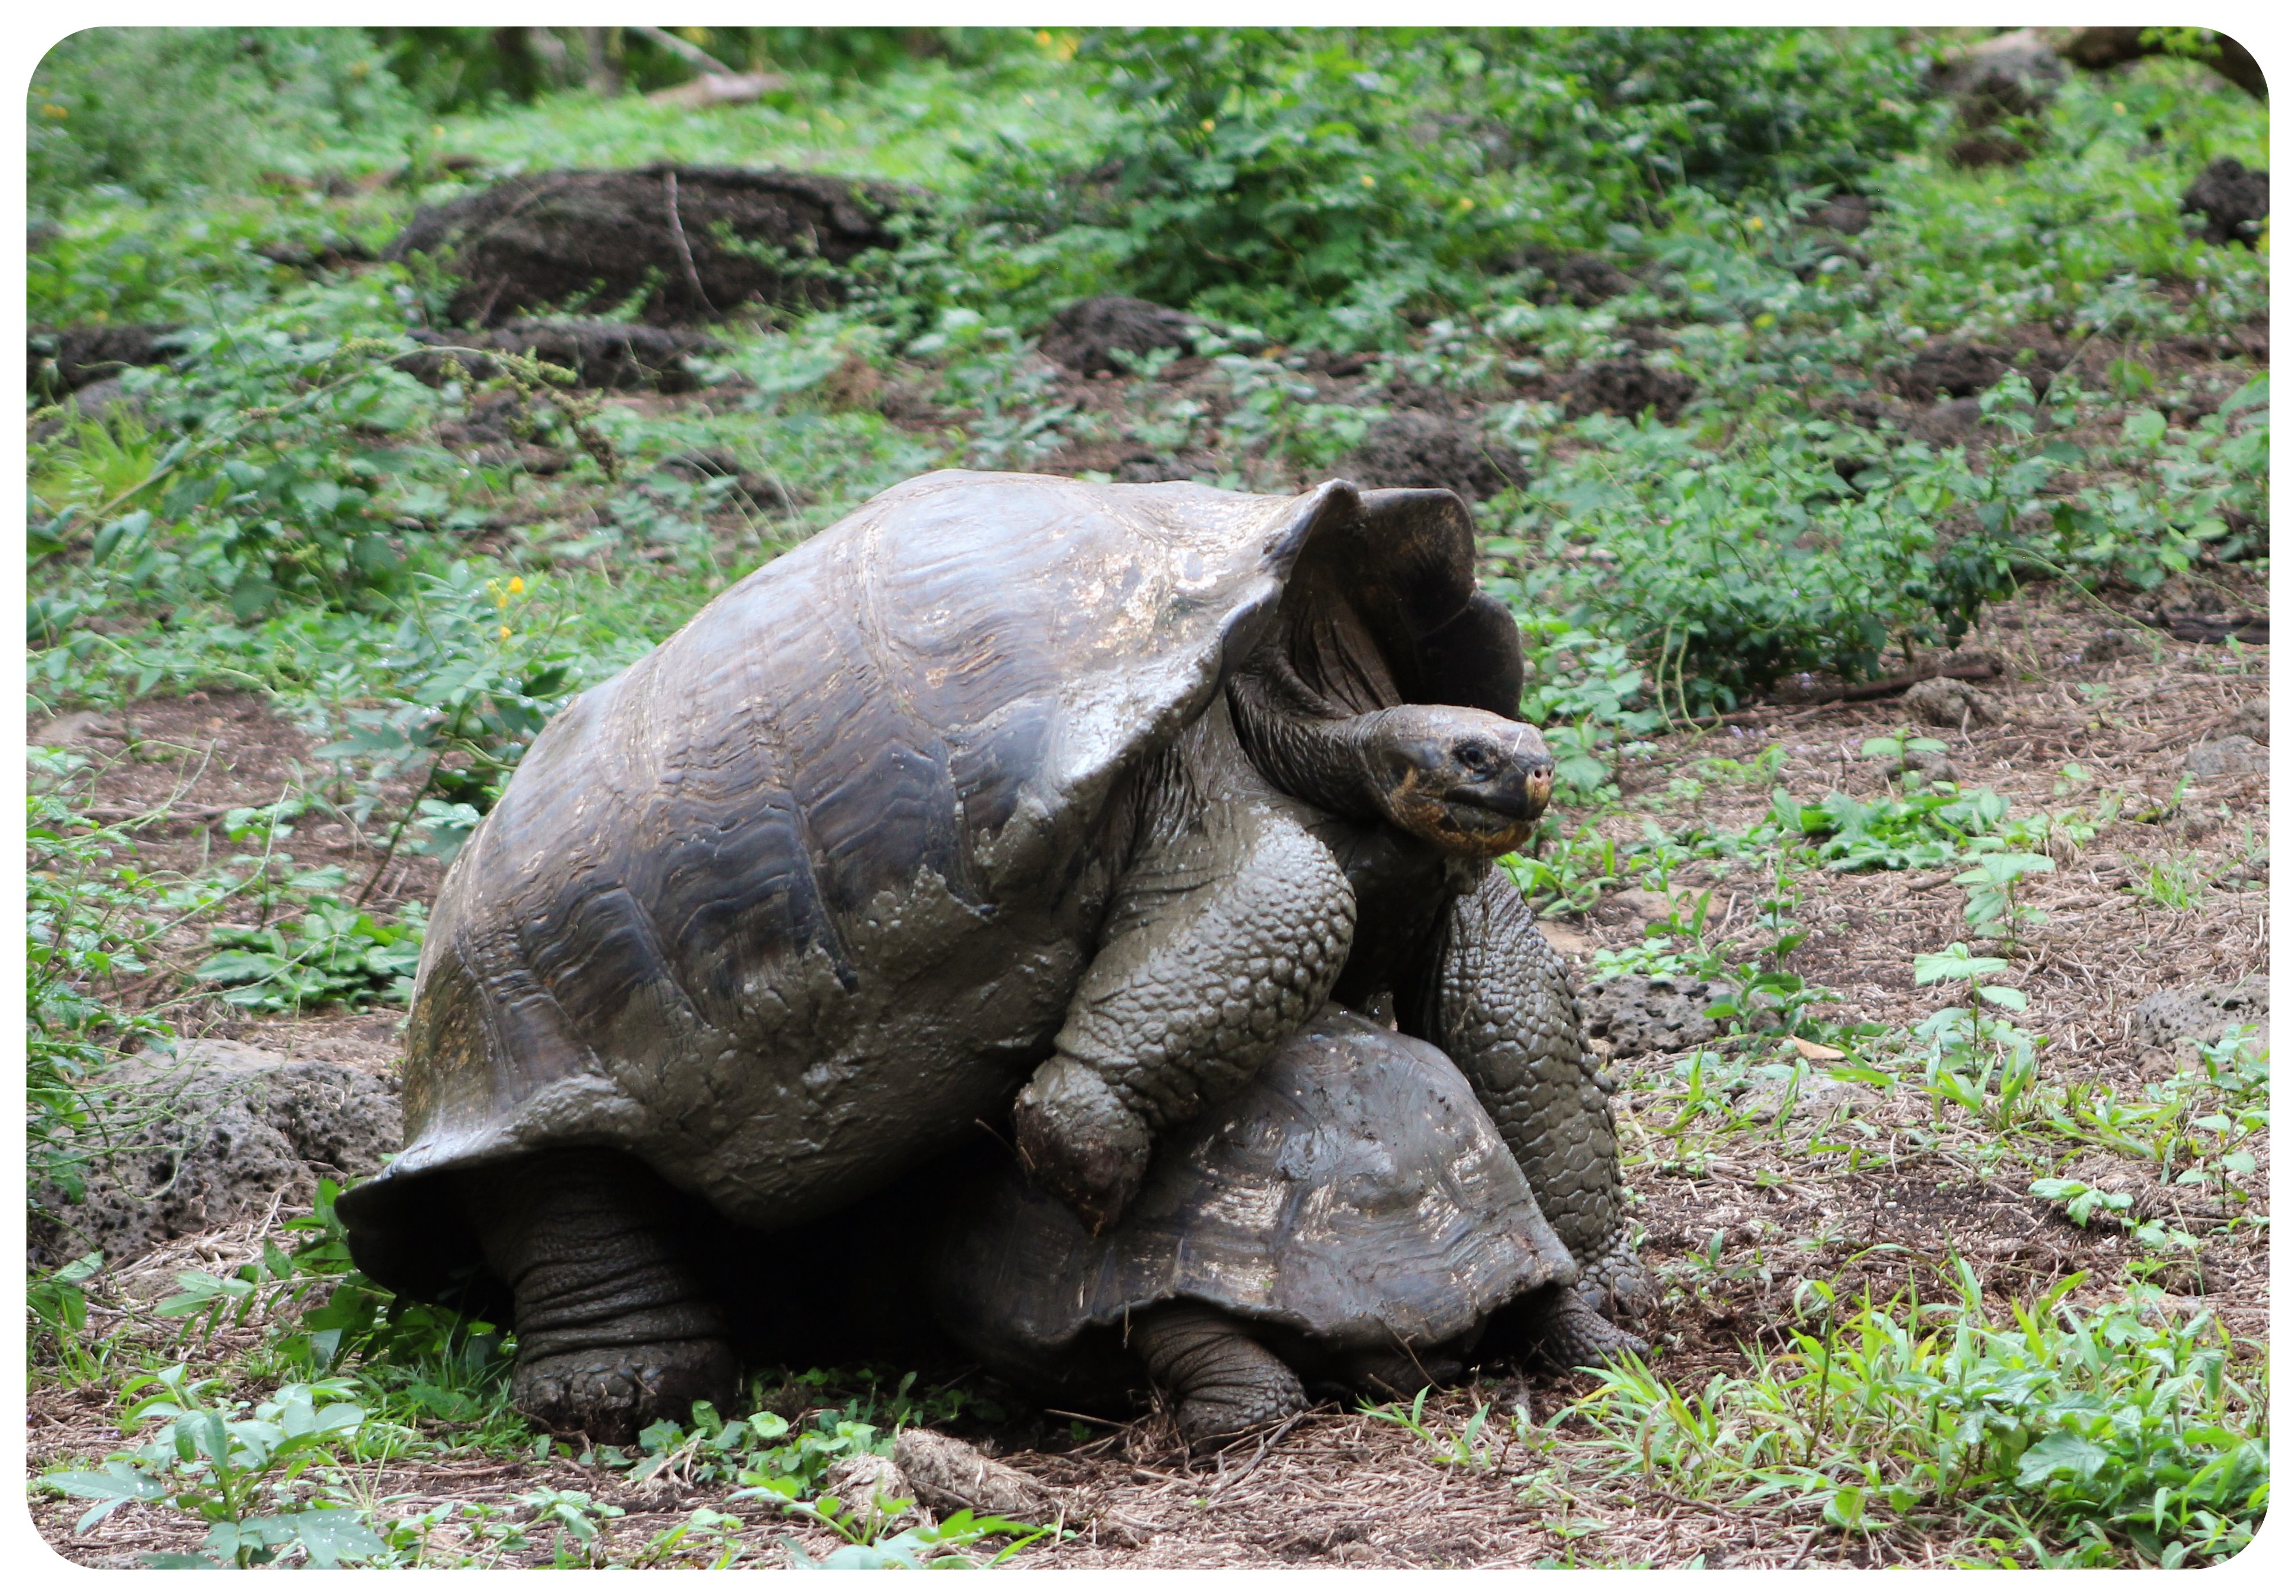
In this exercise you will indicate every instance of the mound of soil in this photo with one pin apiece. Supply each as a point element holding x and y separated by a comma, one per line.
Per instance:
<point>2012,75</point>
<point>1649,1014</point>
<point>618,355</point>
<point>1991,148</point>
<point>62,360</point>
<point>1414,449</point>
<point>331,254</point>
<point>1963,370</point>
<point>2233,200</point>
<point>1085,335</point>
<point>215,1135</point>
<point>1626,387</point>
<point>695,242</point>
<point>1581,276</point>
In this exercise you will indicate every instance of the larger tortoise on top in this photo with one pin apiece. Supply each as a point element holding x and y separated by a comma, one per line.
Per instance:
<point>1003,783</point>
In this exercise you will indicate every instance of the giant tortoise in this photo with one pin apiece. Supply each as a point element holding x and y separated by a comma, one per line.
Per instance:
<point>1350,1216</point>
<point>1003,784</point>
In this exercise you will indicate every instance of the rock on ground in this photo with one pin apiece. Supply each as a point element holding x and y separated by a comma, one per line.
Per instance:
<point>1963,370</point>
<point>1626,387</point>
<point>1943,701</point>
<point>1085,336</point>
<point>1649,1014</point>
<point>211,1137</point>
<point>2231,202</point>
<point>949,1474</point>
<point>1582,277</point>
<point>1848,215</point>
<point>584,240</point>
<point>2253,719</point>
<point>62,360</point>
<point>1411,448</point>
<point>2228,756</point>
<point>861,1481</point>
<point>2013,74</point>
<point>617,355</point>
<point>2202,1013</point>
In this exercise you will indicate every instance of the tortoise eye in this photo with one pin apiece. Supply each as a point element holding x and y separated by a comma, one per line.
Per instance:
<point>1476,757</point>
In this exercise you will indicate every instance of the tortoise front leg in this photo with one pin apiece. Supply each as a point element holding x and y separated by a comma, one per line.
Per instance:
<point>1225,936</point>
<point>1222,1381</point>
<point>614,1330</point>
<point>1499,1001</point>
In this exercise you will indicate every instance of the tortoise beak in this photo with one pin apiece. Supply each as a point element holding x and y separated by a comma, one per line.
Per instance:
<point>1521,792</point>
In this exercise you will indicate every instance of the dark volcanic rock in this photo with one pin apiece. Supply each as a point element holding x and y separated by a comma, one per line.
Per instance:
<point>1649,1014</point>
<point>1085,336</point>
<point>62,360</point>
<point>1414,449</point>
<point>620,355</point>
<point>1626,387</point>
<point>2233,201</point>
<point>211,1137</point>
<point>696,242</point>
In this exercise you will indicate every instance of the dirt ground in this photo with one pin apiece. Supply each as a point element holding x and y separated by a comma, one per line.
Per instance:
<point>1344,1489</point>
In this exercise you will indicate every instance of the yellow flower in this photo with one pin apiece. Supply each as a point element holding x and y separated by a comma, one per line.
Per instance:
<point>506,634</point>
<point>57,112</point>
<point>1465,205</point>
<point>1369,181</point>
<point>1753,223</point>
<point>518,584</point>
<point>1044,37</point>
<point>1207,124</point>
<point>2118,109</point>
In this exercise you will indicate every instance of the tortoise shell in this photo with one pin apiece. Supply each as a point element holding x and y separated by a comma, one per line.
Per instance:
<point>1355,1193</point>
<point>786,905</point>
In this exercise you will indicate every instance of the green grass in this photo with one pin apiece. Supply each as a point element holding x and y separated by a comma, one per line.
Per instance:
<point>2050,1435</point>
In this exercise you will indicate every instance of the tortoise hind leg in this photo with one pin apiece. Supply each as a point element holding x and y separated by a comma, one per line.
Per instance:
<point>614,1330</point>
<point>1223,1382</point>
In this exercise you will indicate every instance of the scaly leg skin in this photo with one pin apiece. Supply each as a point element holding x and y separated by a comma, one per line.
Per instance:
<point>1225,936</point>
<point>614,1330</point>
<point>1560,1324</point>
<point>1222,1382</point>
<point>1500,1003</point>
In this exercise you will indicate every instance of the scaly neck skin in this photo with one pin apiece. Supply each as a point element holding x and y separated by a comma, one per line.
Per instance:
<point>1298,741</point>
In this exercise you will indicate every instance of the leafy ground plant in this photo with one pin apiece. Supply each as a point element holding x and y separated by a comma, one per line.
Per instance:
<point>2071,1437</point>
<point>235,1469</point>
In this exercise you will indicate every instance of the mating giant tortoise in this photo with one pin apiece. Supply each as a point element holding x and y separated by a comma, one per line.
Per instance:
<point>1351,1216</point>
<point>1002,785</point>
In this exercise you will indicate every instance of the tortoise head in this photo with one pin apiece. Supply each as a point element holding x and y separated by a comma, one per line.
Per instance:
<point>1471,782</point>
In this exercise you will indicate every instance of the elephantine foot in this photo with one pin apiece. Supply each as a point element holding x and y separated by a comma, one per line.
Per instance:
<point>1615,1282</point>
<point>1563,1327</point>
<point>1079,1141</point>
<point>1222,1383</point>
<point>611,1393</point>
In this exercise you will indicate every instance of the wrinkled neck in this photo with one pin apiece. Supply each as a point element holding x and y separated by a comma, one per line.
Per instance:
<point>1301,742</point>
